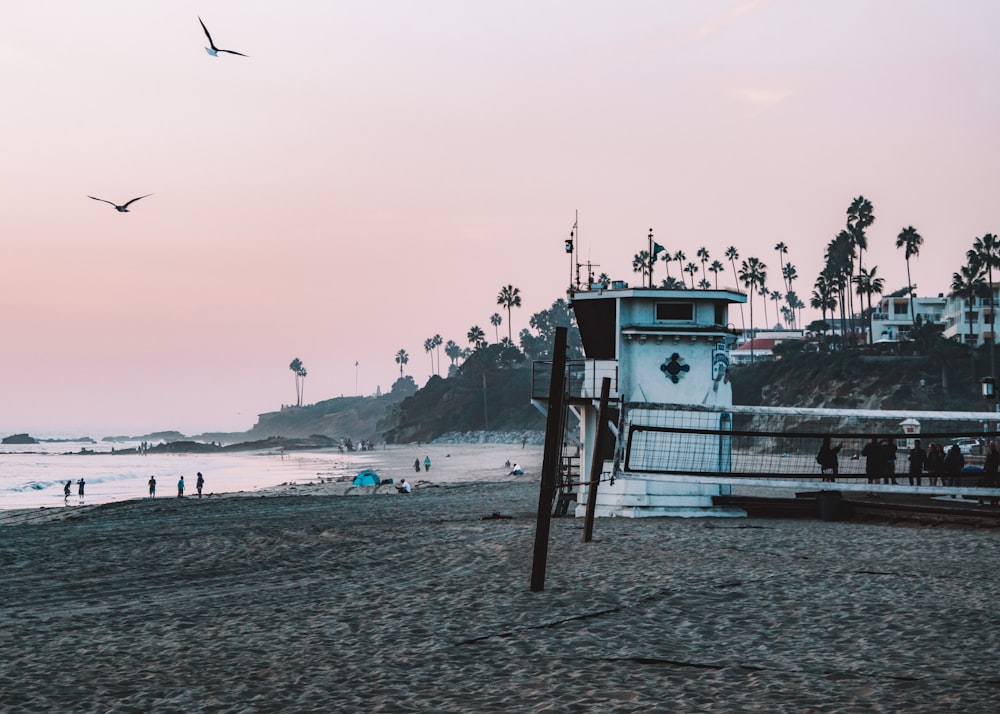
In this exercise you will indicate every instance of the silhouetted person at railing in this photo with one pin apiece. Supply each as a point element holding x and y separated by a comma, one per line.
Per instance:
<point>827,459</point>
<point>874,459</point>
<point>935,464</point>
<point>918,457</point>
<point>990,469</point>
<point>889,451</point>
<point>954,462</point>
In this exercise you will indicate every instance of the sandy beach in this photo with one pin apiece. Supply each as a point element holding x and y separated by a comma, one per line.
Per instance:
<point>303,600</point>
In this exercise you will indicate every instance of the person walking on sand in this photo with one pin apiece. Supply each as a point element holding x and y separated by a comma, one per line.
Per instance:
<point>180,488</point>
<point>416,465</point>
<point>80,484</point>
<point>152,487</point>
<point>427,463</point>
<point>66,493</point>
<point>200,483</point>
<point>827,459</point>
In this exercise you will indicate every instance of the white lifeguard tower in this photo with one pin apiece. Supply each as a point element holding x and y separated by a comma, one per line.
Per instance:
<point>667,352</point>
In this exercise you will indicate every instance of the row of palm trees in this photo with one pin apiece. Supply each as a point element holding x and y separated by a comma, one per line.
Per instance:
<point>753,267</point>
<point>843,276</point>
<point>509,297</point>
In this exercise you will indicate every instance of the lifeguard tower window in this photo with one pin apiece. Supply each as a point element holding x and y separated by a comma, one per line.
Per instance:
<point>720,313</point>
<point>674,311</point>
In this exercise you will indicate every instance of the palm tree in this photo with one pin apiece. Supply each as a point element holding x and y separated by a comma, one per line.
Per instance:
<point>300,376</point>
<point>782,251</point>
<point>495,320</point>
<point>790,274</point>
<point>604,280</point>
<point>766,294</point>
<point>640,264</point>
<point>672,283</point>
<point>679,257</point>
<point>401,359</point>
<point>691,269</point>
<point>437,343</point>
<point>429,349</point>
<point>868,284</point>
<point>968,283</point>
<point>753,274</point>
<point>859,217</point>
<point>839,270</point>
<point>733,255</point>
<point>509,297</point>
<point>704,257</point>
<point>776,297</point>
<point>477,337</point>
<point>716,267</point>
<point>824,296</point>
<point>666,259</point>
<point>987,250</point>
<point>909,239</point>
<point>705,284</point>
<point>452,351</point>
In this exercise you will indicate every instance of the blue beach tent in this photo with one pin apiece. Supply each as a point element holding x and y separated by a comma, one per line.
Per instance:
<point>366,478</point>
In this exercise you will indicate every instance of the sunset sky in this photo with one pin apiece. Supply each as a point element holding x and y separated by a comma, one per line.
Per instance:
<point>374,172</point>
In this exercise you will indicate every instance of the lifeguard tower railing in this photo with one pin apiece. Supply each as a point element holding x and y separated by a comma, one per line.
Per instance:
<point>583,379</point>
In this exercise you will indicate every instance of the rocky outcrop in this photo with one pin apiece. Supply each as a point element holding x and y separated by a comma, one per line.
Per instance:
<point>19,439</point>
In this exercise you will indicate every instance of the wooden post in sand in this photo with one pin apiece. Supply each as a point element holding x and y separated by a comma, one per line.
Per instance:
<point>596,460</point>
<point>550,460</point>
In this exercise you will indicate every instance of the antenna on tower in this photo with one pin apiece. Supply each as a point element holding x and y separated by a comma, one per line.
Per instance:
<point>570,248</point>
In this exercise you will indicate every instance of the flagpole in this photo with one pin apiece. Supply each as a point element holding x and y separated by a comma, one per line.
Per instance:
<point>651,257</point>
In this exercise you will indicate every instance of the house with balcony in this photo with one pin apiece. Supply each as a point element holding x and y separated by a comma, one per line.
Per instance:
<point>893,320</point>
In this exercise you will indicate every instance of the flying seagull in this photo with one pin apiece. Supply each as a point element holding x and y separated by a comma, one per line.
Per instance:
<point>212,49</point>
<point>122,208</point>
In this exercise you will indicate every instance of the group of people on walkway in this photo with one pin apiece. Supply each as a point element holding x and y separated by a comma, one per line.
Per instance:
<point>937,463</point>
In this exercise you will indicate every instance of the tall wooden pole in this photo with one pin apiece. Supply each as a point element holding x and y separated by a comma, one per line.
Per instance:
<point>550,460</point>
<point>596,460</point>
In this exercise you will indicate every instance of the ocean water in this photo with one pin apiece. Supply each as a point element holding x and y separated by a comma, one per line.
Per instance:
<point>33,475</point>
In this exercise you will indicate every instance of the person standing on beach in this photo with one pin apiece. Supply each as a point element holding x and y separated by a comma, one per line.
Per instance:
<point>416,465</point>
<point>918,457</point>
<point>200,483</point>
<point>80,484</point>
<point>152,487</point>
<point>427,463</point>
<point>180,488</point>
<point>66,492</point>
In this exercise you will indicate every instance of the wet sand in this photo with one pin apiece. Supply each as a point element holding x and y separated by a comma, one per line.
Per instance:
<point>385,603</point>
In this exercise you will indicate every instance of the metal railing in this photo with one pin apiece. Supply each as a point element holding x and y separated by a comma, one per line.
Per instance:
<point>583,378</point>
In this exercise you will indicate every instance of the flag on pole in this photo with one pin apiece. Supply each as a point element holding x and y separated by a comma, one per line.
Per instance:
<point>657,248</point>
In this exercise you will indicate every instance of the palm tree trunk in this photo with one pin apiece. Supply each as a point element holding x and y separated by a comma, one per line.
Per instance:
<point>909,293</point>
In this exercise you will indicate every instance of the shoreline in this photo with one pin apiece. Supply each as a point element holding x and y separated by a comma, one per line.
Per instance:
<point>317,472</point>
<point>421,603</point>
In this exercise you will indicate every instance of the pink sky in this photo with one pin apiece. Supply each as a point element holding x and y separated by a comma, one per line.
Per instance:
<point>374,172</point>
